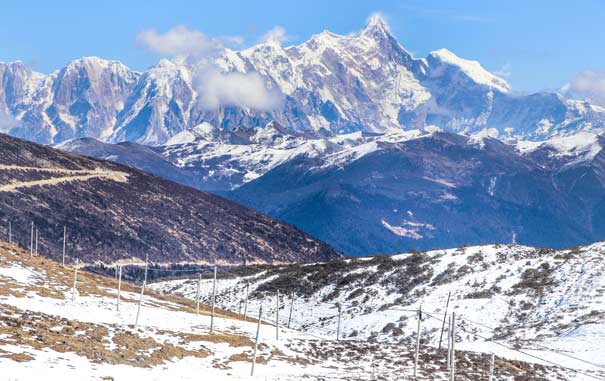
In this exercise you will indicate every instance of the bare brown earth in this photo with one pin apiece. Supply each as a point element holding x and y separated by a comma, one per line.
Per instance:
<point>116,213</point>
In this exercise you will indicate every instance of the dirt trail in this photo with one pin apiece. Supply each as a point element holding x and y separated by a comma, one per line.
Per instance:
<point>75,175</point>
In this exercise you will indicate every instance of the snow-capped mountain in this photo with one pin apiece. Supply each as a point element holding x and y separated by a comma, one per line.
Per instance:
<point>367,193</point>
<point>331,84</point>
<point>82,99</point>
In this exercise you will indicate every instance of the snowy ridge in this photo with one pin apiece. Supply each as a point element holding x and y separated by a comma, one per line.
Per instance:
<point>331,84</point>
<point>548,302</point>
<point>574,149</point>
<point>240,158</point>
<point>473,69</point>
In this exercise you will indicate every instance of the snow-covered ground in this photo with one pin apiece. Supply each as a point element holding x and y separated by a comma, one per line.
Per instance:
<point>49,332</point>
<point>522,303</point>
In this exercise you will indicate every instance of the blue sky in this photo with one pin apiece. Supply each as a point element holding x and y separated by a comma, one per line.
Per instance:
<point>536,44</point>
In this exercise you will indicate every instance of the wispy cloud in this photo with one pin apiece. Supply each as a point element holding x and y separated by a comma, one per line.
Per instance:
<point>504,71</point>
<point>216,88</point>
<point>179,41</point>
<point>276,35</point>
<point>7,121</point>
<point>589,85</point>
<point>445,13</point>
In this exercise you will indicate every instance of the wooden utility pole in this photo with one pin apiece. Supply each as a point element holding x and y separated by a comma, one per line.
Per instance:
<point>291,306</point>
<point>417,343</point>
<point>338,326</point>
<point>277,316</point>
<point>136,322</point>
<point>444,317</point>
<point>64,242</point>
<point>453,360</point>
<point>197,295</point>
<point>491,367</point>
<point>73,289</point>
<point>449,343</point>
<point>246,303</point>
<point>260,315</point>
<point>31,244</point>
<point>213,301</point>
<point>119,286</point>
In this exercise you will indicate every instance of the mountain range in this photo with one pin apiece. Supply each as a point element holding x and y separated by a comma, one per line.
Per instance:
<point>330,84</point>
<point>367,148</point>
<point>367,193</point>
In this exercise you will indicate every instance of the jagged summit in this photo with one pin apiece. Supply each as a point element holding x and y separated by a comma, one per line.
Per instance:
<point>376,26</point>
<point>331,84</point>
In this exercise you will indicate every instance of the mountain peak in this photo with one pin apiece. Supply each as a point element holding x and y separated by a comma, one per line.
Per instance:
<point>470,68</point>
<point>376,26</point>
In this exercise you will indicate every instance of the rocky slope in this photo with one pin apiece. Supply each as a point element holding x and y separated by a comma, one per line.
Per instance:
<point>113,212</point>
<point>364,81</point>
<point>515,301</point>
<point>49,331</point>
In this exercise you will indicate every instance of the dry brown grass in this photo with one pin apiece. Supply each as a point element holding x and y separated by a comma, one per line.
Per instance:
<point>232,340</point>
<point>92,341</point>
<point>55,279</point>
<point>41,331</point>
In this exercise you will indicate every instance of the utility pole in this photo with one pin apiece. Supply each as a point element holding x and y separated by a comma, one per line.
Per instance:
<point>197,295</point>
<point>10,233</point>
<point>260,315</point>
<point>246,303</point>
<point>213,301</point>
<point>31,244</point>
<point>444,317</point>
<point>417,343</point>
<point>136,322</point>
<point>291,306</point>
<point>119,286</point>
<point>449,343</point>
<point>491,367</point>
<point>338,326</point>
<point>277,316</point>
<point>36,242</point>
<point>453,361</point>
<point>64,240</point>
<point>73,289</point>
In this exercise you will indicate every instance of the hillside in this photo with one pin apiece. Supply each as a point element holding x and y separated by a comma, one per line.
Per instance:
<point>383,193</point>
<point>439,190</point>
<point>523,303</point>
<point>113,212</point>
<point>49,331</point>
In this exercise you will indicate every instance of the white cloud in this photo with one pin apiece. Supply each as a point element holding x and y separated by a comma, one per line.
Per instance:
<point>377,17</point>
<point>277,35</point>
<point>7,121</point>
<point>215,87</point>
<point>180,41</point>
<point>248,90</point>
<point>589,85</point>
<point>504,71</point>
